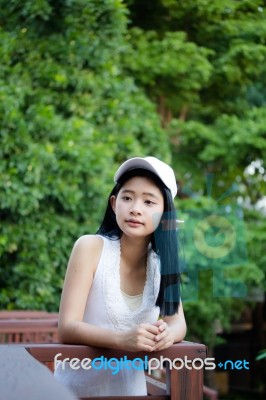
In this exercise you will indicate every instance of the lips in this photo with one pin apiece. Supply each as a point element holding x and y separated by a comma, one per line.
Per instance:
<point>134,221</point>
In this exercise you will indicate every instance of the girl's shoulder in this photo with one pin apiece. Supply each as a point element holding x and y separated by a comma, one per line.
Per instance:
<point>90,244</point>
<point>89,240</point>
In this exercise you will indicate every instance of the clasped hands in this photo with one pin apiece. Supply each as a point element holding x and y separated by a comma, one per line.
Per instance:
<point>149,337</point>
<point>165,337</point>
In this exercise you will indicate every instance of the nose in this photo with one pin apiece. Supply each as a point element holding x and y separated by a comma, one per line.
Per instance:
<point>136,208</point>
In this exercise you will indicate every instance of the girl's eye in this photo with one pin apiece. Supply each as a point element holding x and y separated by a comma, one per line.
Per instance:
<point>149,202</point>
<point>126,198</point>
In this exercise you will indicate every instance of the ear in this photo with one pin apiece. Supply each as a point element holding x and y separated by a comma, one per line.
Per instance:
<point>113,202</point>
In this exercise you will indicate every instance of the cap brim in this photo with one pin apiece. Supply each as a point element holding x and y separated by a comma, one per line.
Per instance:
<point>133,163</point>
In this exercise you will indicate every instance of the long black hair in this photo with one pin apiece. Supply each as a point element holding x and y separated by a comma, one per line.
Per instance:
<point>164,240</point>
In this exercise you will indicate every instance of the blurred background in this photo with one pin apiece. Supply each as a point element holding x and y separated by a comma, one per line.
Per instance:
<point>86,84</point>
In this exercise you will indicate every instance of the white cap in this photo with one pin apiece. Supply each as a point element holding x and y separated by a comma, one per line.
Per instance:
<point>158,167</point>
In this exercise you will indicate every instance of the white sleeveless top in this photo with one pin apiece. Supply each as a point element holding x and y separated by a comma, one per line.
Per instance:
<point>107,308</point>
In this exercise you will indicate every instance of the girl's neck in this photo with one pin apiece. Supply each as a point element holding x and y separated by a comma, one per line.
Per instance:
<point>134,251</point>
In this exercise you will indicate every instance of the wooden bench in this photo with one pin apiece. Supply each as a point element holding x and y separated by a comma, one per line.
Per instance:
<point>21,370</point>
<point>19,326</point>
<point>27,314</point>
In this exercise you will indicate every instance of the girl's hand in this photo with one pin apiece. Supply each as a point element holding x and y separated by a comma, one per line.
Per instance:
<point>165,338</point>
<point>140,338</point>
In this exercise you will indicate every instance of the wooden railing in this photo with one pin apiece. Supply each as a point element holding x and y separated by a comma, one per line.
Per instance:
<point>29,339</point>
<point>21,364</point>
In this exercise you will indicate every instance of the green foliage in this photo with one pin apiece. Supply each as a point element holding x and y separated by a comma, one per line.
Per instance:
<point>203,64</point>
<point>68,116</point>
<point>170,65</point>
<point>223,42</point>
<point>223,264</point>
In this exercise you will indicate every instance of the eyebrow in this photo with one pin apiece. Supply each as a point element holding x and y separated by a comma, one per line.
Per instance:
<point>143,193</point>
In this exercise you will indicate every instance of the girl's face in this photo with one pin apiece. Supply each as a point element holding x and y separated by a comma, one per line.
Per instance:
<point>138,206</point>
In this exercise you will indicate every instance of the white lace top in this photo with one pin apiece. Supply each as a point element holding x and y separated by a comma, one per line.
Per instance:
<point>107,308</point>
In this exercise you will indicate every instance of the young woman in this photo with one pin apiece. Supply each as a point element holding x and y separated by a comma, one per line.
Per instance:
<point>119,281</point>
